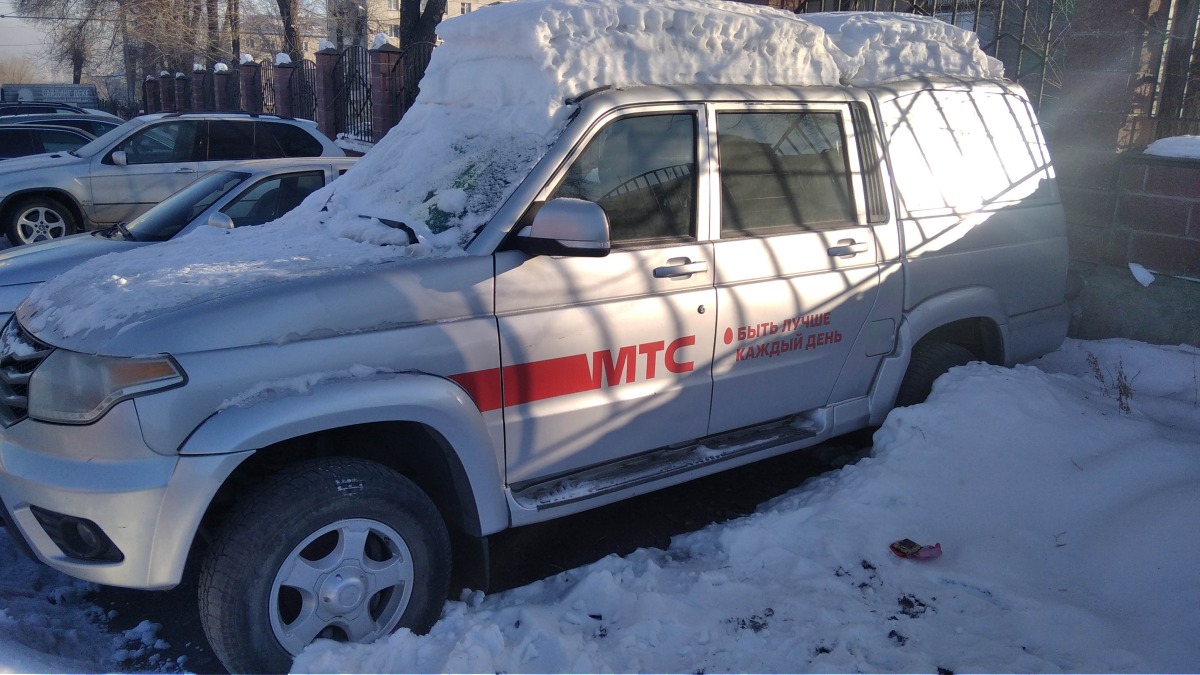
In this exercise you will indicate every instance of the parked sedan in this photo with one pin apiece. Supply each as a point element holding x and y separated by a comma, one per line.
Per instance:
<point>135,166</point>
<point>19,140</point>
<point>241,194</point>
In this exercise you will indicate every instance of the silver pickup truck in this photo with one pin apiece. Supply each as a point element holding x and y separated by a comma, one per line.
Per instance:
<point>690,279</point>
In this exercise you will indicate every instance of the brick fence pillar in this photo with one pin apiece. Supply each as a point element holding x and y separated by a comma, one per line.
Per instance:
<point>200,80</point>
<point>283,89</point>
<point>385,105</point>
<point>327,60</point>
<point>150,95</point>
<point>220,82</point>
<point>249,73</point>
<point>181,99</point>
<point>166,92</point>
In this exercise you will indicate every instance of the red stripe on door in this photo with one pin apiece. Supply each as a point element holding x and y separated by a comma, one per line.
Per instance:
<point>528,382</point>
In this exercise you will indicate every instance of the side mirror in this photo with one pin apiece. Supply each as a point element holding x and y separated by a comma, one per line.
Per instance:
<point>221,221</point>
<point>120,158</point>
<point>570,227</point>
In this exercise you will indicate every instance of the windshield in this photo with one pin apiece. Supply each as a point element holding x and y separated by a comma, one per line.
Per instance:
<point>108,138</point>
<point>170,216</point>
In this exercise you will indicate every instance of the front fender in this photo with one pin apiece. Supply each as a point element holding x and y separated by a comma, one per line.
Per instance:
<point>386,397</point>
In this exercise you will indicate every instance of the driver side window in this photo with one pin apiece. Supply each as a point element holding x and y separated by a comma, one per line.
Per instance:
<point>162,143</point>
<point>642,172</point>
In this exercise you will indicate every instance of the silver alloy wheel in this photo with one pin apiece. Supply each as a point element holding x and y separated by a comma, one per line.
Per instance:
<point>38,223</point>
<point>350,580</point>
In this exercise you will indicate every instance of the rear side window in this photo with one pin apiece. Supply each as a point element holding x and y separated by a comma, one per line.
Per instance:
<point>60,141</point>
<point>783,172</point>
<point>642,172</point>
<point>15,143</point>
<point>957,151</point>
<point>230,140</point>
<point>273,139</point>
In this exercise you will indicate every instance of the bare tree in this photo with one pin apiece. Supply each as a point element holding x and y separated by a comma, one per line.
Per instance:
<point>417,26</point>
<point>289,13</point>
<point>19,70</point>
<point>233,15</point>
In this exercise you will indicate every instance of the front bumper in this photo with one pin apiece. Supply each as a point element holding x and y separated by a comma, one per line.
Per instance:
<point>149,505</point>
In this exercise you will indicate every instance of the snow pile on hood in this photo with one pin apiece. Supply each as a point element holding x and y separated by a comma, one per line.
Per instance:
<point>491,103</point>
<point>1068,531</point>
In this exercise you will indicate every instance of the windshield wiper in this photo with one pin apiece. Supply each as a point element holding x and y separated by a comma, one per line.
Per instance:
<point>119,228</point>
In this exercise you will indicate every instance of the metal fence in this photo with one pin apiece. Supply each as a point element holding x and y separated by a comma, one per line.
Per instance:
<point>406,75</point>
<point>304,90</point>
<point>1026,35</point>
<point>352,94</point>
<point>266,75</point>
<point>1177,100</point>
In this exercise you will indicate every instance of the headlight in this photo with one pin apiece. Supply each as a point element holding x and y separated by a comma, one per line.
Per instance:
<point>76,388</point>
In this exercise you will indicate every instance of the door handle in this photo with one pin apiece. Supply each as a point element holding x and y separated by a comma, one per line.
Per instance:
<point>677,268</point>
<point>847,248</point>
<point>185,170</point>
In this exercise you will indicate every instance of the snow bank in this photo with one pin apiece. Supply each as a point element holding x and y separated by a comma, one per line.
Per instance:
<point>1068,530</point>
<point>491,103</point>
<point>44,624</point>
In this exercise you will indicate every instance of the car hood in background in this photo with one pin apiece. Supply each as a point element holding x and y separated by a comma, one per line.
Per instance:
<point>35,162</point>
<point>36,263</point>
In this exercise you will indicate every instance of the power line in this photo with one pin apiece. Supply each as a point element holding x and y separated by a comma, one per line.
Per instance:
<point>57,18</point>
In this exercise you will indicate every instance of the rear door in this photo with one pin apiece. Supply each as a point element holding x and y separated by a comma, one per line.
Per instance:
<point>796,264</point>
<point>604,358</point>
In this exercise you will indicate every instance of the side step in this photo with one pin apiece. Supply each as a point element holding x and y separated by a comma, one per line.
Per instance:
<point>662,463</point>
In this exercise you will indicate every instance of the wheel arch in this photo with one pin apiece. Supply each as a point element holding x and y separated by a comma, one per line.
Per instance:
<point>423,427</point>
<point>972,317</point>
<point>10,202</point>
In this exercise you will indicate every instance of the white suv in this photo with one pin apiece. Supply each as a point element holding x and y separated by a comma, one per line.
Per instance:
<point>119,175</point>
<point>666,282</point>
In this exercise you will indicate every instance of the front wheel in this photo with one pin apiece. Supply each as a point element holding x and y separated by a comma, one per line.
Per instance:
<point>337,548</point>
<point>38,219</point>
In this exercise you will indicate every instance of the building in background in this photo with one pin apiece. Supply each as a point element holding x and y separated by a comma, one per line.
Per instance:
<point>356,22</point>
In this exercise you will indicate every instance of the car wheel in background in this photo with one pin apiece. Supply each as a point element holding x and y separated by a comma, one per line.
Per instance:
<point>38,219</point>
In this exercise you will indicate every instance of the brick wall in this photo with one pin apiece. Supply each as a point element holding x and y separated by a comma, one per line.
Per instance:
<point>1156,220</point>
<point>1112,50</point>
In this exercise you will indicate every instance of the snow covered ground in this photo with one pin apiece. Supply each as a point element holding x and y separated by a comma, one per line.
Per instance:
<point>1068,528</point>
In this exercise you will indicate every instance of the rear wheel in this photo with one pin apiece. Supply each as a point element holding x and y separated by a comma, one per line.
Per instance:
<point>38,219</point>
<point>339,548</point>
<point>929,361</point>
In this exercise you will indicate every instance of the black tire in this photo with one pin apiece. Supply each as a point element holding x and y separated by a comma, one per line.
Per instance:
<point>37,219</point>
<point>304,525</point>
<point>929,361</point>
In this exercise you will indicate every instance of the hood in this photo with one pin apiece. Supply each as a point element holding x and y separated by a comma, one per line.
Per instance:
<point>35,162</point>
<point>36,263</point>
<point>315,304</point>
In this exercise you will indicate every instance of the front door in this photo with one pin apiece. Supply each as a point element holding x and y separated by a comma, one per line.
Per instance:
<point>161,159</point>
<point>604,358</point>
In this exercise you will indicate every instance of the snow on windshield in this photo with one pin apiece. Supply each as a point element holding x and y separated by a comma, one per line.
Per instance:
<point>491,103</point>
